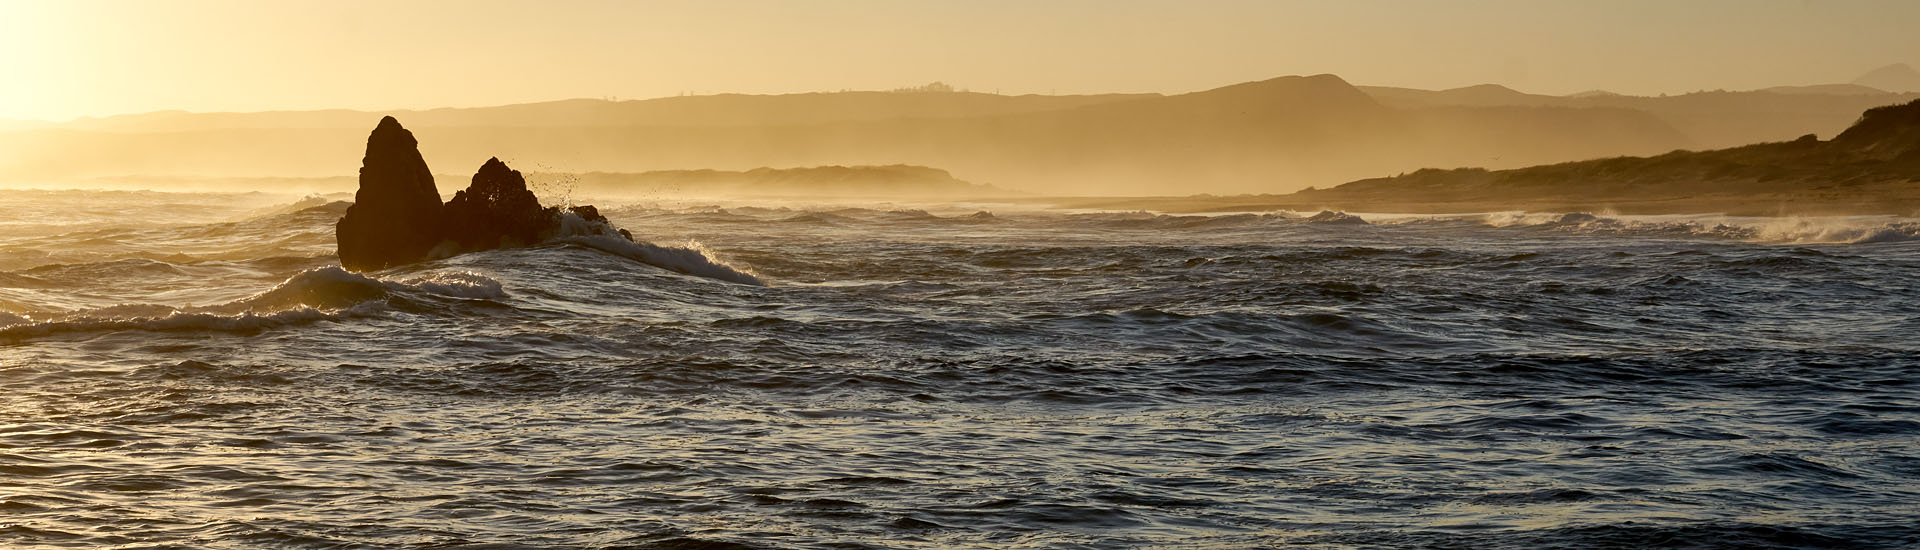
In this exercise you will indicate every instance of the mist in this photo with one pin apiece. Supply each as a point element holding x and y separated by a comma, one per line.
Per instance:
<point>764,274</point>
<point>1270,136</point>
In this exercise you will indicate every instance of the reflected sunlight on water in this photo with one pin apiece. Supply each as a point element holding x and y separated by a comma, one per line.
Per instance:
<point>203,378</point>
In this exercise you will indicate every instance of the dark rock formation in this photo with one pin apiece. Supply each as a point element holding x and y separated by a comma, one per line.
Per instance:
<point>396,215</point>
<point>589,213</point>
<point>496,210</point>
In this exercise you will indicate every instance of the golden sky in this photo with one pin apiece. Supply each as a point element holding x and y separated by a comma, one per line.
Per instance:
<point>61,59</point>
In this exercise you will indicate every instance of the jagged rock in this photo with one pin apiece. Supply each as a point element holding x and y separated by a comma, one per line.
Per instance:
<point>397,217</point>
<point>591,214</point>
<point>496,210</point>
<point>396,214</point>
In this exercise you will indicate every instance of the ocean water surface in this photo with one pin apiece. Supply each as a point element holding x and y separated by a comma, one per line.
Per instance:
<point>188,370</point>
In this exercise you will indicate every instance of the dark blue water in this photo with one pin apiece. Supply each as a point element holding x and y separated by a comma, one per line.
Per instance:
<point>192,373</point>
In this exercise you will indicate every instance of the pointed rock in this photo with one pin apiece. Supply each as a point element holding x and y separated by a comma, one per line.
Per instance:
<point>396,214</point>
<point>496,210</point>
<point>397,217</point>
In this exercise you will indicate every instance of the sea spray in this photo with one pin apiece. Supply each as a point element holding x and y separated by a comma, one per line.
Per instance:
<point>1795,230</point>
<point>1084,380</point>
<point>1786,230</point>
<point>691,259</point>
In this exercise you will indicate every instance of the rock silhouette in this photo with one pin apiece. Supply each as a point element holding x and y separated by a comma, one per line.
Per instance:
<point>397,217</point>
<point>1890,133</point>
<point>496,210</point>
<point>396,214</point>
<point>1870,167</point>
<point>592,215</point>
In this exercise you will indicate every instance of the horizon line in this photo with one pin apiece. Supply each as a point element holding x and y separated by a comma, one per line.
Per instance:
<point>955,89</point>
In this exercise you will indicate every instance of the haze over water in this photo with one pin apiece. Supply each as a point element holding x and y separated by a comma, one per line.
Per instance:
<point>1489,274</point>
<point>204,377</point>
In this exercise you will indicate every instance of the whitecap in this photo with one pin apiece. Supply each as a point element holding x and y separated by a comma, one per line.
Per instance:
<point>691,259</point>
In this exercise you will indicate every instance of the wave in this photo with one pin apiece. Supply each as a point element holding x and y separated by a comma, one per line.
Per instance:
<point>326,293</point>
<point>692,259</point>
<point>298,229</point>
<point>1789,230</point>
<point>1803,230</point>
<point>176,321</point>
<point>1539,219</point>
<point>333,287</point>
<point>312,202</point>
<point>1832,231</point>
<point>1330,217</point>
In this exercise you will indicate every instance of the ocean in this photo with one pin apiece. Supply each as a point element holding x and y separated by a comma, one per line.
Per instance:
<point>194,370</point>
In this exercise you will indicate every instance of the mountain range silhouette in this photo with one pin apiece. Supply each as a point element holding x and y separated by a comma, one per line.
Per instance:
<point>1272,135</point>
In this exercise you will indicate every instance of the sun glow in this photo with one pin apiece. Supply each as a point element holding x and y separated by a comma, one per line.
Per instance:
<point>25,60</point>
<point>62,60</point>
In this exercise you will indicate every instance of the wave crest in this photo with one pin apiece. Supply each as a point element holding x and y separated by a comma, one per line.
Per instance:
<point>1832,231</point>
<point>691,259</point>
<point>326,293</point>
<point>1789,230</point>
<point>333,287</point>
<point>176,321</point>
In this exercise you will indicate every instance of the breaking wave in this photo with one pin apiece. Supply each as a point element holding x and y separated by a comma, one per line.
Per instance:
<point>692,259</point>
<point>178,321</point>
<point>1042,378</point>
<point>1832,231</point>
<point>1789,230</point>
<point>332,287</point>
<point>326,293</point>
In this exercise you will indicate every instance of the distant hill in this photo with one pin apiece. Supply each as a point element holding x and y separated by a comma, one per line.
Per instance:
<point>1898,77</point>
<point>1593,93</point>
<point>1714,119</point>
<point>1484,95</point>
<point>1276,134</point>
<point>1871,168</point>
<point>1272,135</point>
<point>895,182</point>
<point>724,110</point>
<point>1826,89</point>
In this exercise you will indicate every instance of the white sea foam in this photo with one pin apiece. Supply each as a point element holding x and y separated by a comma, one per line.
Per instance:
<point>691,259</point>
<point>1524,219</point>
<point>1833,230</point>
<point>457,284</point>
<point>1787,230</point>
<point>1336,218</point>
